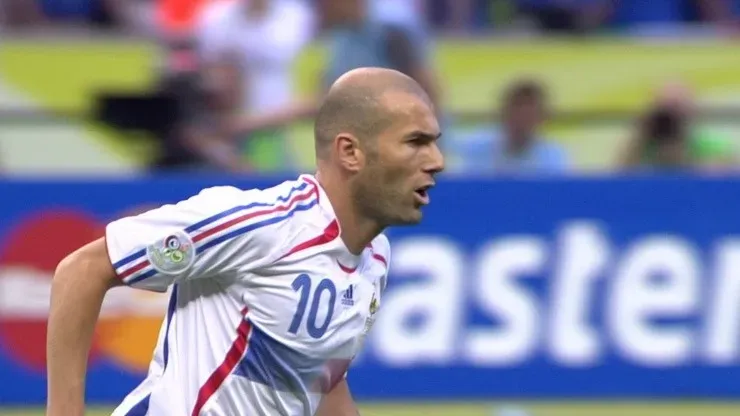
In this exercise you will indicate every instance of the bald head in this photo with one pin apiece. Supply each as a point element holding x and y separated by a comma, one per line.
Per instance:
<point>357,104</point>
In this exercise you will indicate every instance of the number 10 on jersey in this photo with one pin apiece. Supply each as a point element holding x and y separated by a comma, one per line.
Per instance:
<point>302,284</point>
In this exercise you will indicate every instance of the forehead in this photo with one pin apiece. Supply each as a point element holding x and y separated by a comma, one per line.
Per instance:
<point>409,113</point>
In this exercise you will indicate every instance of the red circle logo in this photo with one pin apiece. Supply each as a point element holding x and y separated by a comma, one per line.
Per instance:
<point>29,253</point>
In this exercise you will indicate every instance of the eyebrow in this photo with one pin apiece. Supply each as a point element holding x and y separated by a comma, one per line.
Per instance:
<point>423,135</point>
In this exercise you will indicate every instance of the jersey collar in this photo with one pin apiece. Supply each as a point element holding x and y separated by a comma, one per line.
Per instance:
<point>347,260</point>
<point>324,202</point>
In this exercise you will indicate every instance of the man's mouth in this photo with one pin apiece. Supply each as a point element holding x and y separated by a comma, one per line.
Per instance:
<point>422,194</point>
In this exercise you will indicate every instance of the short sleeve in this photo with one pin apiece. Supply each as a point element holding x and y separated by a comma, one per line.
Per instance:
<point>221,232</point>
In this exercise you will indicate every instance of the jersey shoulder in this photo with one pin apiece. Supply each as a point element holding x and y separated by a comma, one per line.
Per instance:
<point>229,195</point>
<point>272,214</point>
<point>220,196</point>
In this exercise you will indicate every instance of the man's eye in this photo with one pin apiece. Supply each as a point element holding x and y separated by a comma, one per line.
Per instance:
<point>419,141</point>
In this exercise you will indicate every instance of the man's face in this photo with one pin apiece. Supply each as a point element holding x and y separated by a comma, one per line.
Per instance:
<point>524,117</point>
<point>401,163</point>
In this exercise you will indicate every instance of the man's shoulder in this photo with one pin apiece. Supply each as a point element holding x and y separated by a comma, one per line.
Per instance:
<point>288,191</point>
<point>218,196</point>
<point>281,197</point>
<point>273,216</point>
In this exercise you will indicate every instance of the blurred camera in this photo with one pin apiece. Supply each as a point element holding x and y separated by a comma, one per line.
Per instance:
<point>663,125</point>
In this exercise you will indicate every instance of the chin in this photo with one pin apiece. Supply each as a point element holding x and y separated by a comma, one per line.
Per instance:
<point>412,218</point>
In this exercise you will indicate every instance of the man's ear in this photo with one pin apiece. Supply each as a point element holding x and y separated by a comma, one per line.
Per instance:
<point>349,152</point>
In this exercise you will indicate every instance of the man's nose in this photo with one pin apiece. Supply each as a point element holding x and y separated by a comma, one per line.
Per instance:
<point>436,163</point>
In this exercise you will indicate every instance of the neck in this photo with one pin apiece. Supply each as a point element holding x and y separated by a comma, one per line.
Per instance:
<point>357,230</point>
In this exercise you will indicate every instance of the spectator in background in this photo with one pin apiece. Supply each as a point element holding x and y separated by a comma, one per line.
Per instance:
<point>367,36</point>
<point>384,33</point>
<point>516,146</point>
<point>668,137</point>
<point>263,38</point>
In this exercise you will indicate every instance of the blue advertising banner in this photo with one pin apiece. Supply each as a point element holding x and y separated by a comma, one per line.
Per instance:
<point>557,288</point>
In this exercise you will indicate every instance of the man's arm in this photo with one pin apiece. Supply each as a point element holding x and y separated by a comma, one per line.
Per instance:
<point>204,236</point>
<point>338,402</point>
<point>80,283</point>
<point>299,110</point>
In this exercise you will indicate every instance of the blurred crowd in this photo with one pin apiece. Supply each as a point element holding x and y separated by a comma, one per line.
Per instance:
<point>226,94</point>
<point>455,15</point>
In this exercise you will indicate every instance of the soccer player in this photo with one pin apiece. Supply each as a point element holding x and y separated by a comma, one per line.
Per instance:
<point>273,290</point>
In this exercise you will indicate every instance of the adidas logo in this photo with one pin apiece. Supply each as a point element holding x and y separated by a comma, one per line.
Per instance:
<point>348,296</point>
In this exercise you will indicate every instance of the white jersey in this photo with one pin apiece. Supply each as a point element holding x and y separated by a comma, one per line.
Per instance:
<point>268,306</point>
<point>265,47</point>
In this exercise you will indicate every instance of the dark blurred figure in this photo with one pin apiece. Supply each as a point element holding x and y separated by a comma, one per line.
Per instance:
<point>453,15</point>
<point>580,16</point>
<point>200,140</point>
<point>517,145</point>
<point>624,13</point>
<point>20,13</point>
<point>565,16</point>
<point>661,141</point>
<point>668,138</point>
<point>30,14</point>
<point>461,14</point>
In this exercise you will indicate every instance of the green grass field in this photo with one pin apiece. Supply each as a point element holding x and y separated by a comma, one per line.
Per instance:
<point>496,409</point>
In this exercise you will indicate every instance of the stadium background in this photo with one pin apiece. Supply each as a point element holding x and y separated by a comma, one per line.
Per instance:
<point>595,293</point>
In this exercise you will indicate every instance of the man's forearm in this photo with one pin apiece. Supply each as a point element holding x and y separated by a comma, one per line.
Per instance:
<point>76,297</point>
<point>279,118</point>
